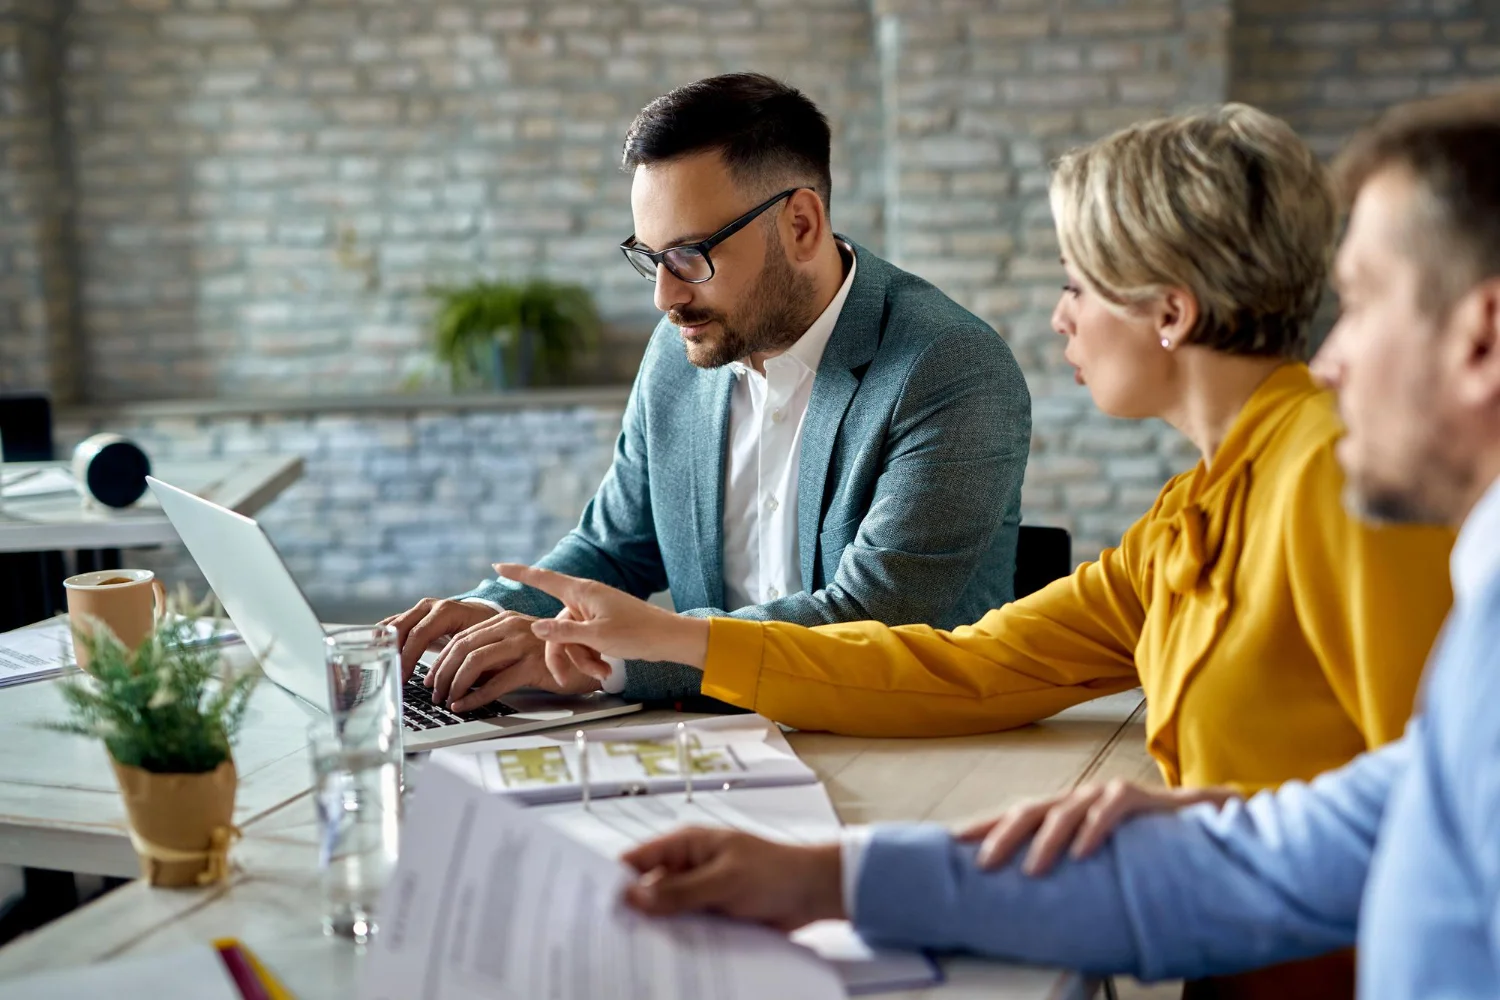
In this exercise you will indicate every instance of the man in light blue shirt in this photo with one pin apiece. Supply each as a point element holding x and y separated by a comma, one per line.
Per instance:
<point>1400,850</point>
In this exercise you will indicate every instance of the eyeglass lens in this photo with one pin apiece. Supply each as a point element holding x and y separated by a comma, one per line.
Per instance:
<point>686,263</point>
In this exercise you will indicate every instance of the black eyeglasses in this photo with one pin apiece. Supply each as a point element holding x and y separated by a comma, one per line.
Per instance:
<point>691,263</point>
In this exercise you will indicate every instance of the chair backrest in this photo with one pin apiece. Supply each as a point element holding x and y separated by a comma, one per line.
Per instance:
<point>1042,555</point>
<point>26,428</point>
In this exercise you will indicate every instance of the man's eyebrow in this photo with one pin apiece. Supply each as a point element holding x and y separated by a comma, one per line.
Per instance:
<point>678,241</point>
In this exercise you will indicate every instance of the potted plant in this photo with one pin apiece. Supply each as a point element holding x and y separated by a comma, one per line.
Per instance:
<point>502,335</point>
<point>167,713</point>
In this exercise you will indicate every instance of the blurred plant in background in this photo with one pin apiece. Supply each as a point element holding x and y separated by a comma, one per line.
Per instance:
<point>501,335</point>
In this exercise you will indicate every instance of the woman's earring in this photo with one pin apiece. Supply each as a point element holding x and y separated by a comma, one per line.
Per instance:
<point>1166,344</point>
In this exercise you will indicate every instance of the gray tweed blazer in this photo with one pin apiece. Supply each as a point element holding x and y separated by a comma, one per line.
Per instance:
<point>913,451</point>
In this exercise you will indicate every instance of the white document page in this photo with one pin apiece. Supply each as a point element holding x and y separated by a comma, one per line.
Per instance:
<point>798,814</point>
<point>39,652</point>
<point>16,483</point>
<point>488,902</point>
<point>35,653</point>
<point>191,974</point>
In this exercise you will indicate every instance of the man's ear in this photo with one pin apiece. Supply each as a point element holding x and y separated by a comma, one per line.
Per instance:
<point>1176,316</point>
<point>806,224</point>
<point>1473,348</point>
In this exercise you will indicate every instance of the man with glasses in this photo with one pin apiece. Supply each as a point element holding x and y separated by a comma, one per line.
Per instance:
<point>814,435</point>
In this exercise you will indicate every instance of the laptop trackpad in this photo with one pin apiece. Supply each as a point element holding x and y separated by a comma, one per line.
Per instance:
<point>544,705</point>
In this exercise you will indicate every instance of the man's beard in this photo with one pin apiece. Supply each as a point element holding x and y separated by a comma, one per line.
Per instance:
<point>1430,493</point>
<point>777,311</point>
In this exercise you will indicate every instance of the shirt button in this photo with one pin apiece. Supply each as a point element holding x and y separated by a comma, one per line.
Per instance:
<point>773,593</point>
<point>771,503</point>
<point>777,416</point>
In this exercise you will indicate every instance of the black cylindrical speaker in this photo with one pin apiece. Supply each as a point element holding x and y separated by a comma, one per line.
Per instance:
<point>111,469</point>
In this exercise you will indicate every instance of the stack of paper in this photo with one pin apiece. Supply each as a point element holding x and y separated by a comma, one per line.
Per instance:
<point>746,777</point>
<point>39,652</point>
<point>488,902</point>
<point>33,654</point>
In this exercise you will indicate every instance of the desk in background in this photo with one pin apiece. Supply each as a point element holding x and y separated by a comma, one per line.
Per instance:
<point>62,521</point>
<point>272,903</point>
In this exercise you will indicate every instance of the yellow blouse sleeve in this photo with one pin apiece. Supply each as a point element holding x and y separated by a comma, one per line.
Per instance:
<point>1370,598</point>
<point>1069,642</point>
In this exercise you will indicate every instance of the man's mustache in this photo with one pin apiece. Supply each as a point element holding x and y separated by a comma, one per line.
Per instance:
<point>690,318</point>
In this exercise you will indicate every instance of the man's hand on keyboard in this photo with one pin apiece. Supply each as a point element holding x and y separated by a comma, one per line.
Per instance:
<point>431,620</point>
<point>493,658</point>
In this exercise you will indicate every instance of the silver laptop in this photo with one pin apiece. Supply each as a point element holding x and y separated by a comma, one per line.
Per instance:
<point>278,625</point>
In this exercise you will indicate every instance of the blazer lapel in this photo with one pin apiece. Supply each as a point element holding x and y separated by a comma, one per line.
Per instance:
<point>855,339</point>
<point>710,445</point>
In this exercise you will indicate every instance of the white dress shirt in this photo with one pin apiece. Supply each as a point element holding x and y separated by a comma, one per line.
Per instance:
<point>766,414</point>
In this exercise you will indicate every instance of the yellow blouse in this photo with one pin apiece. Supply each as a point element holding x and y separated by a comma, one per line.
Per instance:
<point>1275,635</point>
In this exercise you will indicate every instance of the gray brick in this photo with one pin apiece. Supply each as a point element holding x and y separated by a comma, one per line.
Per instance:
<point>198,28</point>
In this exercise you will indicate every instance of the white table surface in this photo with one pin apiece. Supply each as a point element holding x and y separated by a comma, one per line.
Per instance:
<point>63,521</point>
<point>68,805</point>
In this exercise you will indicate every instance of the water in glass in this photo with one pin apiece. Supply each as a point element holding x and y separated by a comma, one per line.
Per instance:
<point>356,792</point>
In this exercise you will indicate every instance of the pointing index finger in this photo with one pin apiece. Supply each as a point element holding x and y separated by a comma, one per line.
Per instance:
<point>564,588</point>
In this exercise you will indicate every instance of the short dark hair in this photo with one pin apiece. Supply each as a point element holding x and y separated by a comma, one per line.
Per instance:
<point>768,133</point>
<point>1448,144</point>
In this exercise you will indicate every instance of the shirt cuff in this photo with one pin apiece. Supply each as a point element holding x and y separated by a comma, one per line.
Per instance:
<point>479,600</point>
<point>853,843</point>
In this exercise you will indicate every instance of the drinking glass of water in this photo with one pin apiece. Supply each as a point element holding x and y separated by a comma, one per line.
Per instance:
<point>364,683</point>
<point>357,795</point>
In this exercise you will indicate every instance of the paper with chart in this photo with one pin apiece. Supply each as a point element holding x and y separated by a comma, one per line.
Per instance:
<point>797,813</point>
<point>38,652</point>
<point>488,902</point>
<point>726,752</point>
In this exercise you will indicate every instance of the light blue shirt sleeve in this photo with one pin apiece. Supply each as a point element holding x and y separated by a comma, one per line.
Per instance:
<point>1202,892</point>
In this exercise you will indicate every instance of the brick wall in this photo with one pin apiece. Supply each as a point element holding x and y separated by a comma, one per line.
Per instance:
<point>394,505</point>
<point>1330,66</point>
<point>988,94</point>
<point>36,280</point>
<point>265,187</point>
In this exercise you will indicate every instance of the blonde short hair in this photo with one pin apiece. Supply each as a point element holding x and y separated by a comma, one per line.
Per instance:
<point>1229,204</point>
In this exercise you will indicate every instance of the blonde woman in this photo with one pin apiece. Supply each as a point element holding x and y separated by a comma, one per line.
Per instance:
<point>1275,635</point>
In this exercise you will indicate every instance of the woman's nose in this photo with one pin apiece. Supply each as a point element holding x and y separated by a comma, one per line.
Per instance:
<point>1060,325</point>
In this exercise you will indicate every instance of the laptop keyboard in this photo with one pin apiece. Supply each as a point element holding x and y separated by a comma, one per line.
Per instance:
<point>418,711</point>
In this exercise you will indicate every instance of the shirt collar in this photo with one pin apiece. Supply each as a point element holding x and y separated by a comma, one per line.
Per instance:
<point>809,348</point>
<point>1476,555</point>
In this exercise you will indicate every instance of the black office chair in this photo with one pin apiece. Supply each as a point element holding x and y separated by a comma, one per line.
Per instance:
<point>30,590</point>
<point>1042,555</point>
<point>30,582</point>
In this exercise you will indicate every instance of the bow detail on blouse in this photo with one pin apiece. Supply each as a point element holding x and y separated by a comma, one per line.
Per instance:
<point>1180,549</point>
<point>1186,545</point>
<point>1193,552</point>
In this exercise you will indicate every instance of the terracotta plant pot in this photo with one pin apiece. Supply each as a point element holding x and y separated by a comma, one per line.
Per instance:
<point>182,823</point>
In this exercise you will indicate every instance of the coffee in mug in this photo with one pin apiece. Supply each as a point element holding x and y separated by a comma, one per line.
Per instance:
<point>128,601</point>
